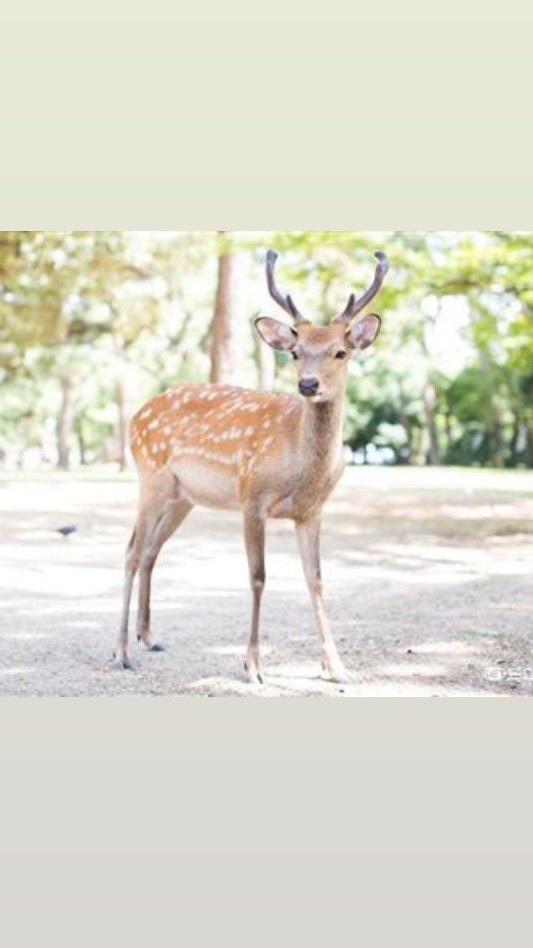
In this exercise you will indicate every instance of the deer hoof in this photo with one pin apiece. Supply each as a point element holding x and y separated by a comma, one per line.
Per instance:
<point>337,675</point>
<point>119,664</point>
<point>254,675</point>
<point>149,645</point>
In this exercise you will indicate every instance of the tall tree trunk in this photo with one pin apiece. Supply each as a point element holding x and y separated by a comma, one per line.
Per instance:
<point>529,443</point>
<point>493,422</point>
<point>429,394</point>
<point>81,441</point>
<point>405,422</point>
<point>515,436</point>
<point>448,429</point>
<point>65,421</point>
<point>430,399</point>
<point>227,328</point>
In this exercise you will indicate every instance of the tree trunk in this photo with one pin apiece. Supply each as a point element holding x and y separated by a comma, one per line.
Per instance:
<point>65,422</point>
<point>514,440</point>
<point>430,398</point>
<point>493,423</point>
<point>448,429</point>
<point>429,395</point>
<point>81,442</point>
<point>529,444</point>
<point>228,319</point>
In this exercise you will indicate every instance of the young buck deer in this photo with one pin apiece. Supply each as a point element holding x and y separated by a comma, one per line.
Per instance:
<point>271,455</point>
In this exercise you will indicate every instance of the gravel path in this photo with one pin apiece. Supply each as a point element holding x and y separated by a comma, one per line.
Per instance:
<point>428,574</point>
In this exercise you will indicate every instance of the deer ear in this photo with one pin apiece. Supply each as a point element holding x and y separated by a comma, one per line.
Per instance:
<point>275,334</point>
<point>362,334</point>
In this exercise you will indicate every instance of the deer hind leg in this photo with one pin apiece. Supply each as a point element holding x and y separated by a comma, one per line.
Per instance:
<point>254,538</point>
<point>132,563</point>
<point>152,504</point>
<point>150,507</point>
<point>308,535</point>
<point>173,514</point>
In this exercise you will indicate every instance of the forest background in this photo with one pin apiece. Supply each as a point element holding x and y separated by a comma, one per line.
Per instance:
<point>93,323</point>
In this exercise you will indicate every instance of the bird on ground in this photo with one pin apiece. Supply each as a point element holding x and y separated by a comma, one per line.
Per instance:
<point>66,531</point>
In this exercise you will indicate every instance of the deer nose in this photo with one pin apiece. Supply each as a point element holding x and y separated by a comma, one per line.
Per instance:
<point>308,386</point>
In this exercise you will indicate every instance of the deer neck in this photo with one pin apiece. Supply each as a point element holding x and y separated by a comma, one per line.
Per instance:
<point>321,432</point>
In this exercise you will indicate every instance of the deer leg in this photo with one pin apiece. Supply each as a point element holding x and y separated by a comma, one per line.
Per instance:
<point>254,538</point>
<point>148,513</point>
<point>132,563</point>
<point>174,512</point>
<point>308,535</point>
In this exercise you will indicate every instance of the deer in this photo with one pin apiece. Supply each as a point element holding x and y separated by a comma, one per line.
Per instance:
<point>267,454</point>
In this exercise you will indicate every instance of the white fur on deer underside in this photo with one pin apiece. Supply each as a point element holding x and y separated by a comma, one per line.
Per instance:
<point>205,484</point>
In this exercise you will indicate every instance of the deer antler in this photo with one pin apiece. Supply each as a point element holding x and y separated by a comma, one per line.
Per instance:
<point>286,302</point>
<point>354,306</point>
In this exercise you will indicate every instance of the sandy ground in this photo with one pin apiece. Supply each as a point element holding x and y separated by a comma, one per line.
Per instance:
<point>428,573</point>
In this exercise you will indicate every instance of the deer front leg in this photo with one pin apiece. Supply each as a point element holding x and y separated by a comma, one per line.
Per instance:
<point>308,535</point>
<point>254,538</point>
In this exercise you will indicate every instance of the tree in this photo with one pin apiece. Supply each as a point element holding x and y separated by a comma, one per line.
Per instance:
<point>92,323</point>
<point>227,328</point>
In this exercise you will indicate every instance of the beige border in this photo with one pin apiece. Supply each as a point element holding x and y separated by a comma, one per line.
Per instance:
<point>186,122</point>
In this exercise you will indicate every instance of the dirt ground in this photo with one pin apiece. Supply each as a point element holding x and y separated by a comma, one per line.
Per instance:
<point>428,574</point>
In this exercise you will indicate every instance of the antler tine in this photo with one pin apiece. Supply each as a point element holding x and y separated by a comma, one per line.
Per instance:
<point>354,306</point>
<point>286,302</point>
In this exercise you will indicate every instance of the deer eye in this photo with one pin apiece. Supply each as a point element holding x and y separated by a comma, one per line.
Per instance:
<point>341,354</point>
<point>294,355</point>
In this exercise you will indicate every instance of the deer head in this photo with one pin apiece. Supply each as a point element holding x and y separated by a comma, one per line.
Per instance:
<point>322,352</point>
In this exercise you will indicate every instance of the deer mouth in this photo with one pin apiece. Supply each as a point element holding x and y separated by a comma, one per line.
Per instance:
<point>314,397</point>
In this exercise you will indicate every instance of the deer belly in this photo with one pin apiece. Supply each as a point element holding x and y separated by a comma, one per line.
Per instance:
<point>207,483</point>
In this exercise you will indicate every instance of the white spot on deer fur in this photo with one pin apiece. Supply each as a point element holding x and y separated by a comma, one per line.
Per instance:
<point>249,430</point>
<point>268,440</point>
<point>153,424</point>
<point>146,413</point>
<point>167,429</point>
<point>266,424</point>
